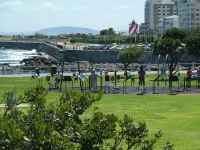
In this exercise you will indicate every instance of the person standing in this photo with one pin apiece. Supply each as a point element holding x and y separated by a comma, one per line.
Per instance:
<point>189,77</point>
<point>141,73</point>
<point>107,83</point>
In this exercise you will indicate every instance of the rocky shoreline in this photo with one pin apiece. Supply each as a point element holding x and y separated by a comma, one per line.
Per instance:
<point>39,60</point>
<point>28,65</point>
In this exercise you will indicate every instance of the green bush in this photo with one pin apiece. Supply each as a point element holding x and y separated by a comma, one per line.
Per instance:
<point>61,127</point>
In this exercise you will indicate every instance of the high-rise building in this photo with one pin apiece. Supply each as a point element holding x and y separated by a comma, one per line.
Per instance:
<point>189,13</point>
<point>157,10</point>
<point>167,23</point>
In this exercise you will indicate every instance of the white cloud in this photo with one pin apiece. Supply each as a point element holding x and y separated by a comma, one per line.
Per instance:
<point>51,6</point>
<point>13,4</point>
<point>80,8</point>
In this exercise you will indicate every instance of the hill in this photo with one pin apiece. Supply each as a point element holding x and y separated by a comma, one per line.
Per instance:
<point>67,30</point>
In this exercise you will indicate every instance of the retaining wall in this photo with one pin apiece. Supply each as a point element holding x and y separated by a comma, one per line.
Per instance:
<point>93,56</point>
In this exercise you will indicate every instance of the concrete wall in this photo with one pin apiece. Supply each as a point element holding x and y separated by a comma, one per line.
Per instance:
<point>50,50</point>
<point>20,45</point>
<point>84,55</point>
<point>91,56</point>
<point>70,55</point>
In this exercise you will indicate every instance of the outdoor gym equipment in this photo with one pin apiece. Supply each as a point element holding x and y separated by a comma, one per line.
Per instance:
<point>52,84</point>
<point>162,69</point>
<point>83,81</point>
<point>53,70</point>
<point>161,72</point>
<point>162,76</point>
<point>36,75</point>
<point>141,90</point>
<point>69,80</point>
<point>127,77</point>
<point>116,89</point>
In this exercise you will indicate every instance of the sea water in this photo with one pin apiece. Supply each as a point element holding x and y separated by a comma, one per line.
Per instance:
<point>14,57</point>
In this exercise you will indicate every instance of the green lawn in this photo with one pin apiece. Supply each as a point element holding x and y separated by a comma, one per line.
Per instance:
<point>19,84</point>
<point>178,116</point>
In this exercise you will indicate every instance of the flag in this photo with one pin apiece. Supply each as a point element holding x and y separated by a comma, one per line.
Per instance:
<point>133,28</point>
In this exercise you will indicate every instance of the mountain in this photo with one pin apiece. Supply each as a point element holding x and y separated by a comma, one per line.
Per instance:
<point>67,30</point>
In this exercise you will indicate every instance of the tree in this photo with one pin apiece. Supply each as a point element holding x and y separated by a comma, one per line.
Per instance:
<point>108,32</point>
<point>130,55</point>
<point>193,42</point>
<point>61,126</point>
<point>169,44</point>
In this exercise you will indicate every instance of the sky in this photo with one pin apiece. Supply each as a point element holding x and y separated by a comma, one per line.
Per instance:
<point>33,15</point>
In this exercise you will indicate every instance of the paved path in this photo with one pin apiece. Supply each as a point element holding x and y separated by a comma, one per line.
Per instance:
<point>136,90</point>
<point>19,106</point>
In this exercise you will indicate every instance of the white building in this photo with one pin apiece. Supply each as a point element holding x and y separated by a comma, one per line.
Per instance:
<point>171,22</point>
<point>167,23</point>
<point>156,10</point>
<point>189,13</point>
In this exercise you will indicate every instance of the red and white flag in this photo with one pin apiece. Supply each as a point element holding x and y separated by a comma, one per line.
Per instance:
<point>133,28</point>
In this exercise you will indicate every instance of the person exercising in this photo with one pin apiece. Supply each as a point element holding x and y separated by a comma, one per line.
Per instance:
<point>141,73</point>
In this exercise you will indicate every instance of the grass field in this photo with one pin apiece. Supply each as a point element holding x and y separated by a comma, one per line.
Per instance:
<point>178,116</point>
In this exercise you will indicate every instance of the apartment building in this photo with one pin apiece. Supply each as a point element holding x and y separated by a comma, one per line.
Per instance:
<point>167,23</point>
<point>157,10</point>
<point>189,13</point>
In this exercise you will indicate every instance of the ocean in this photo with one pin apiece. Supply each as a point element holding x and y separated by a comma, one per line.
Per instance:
<point>13,57</point>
